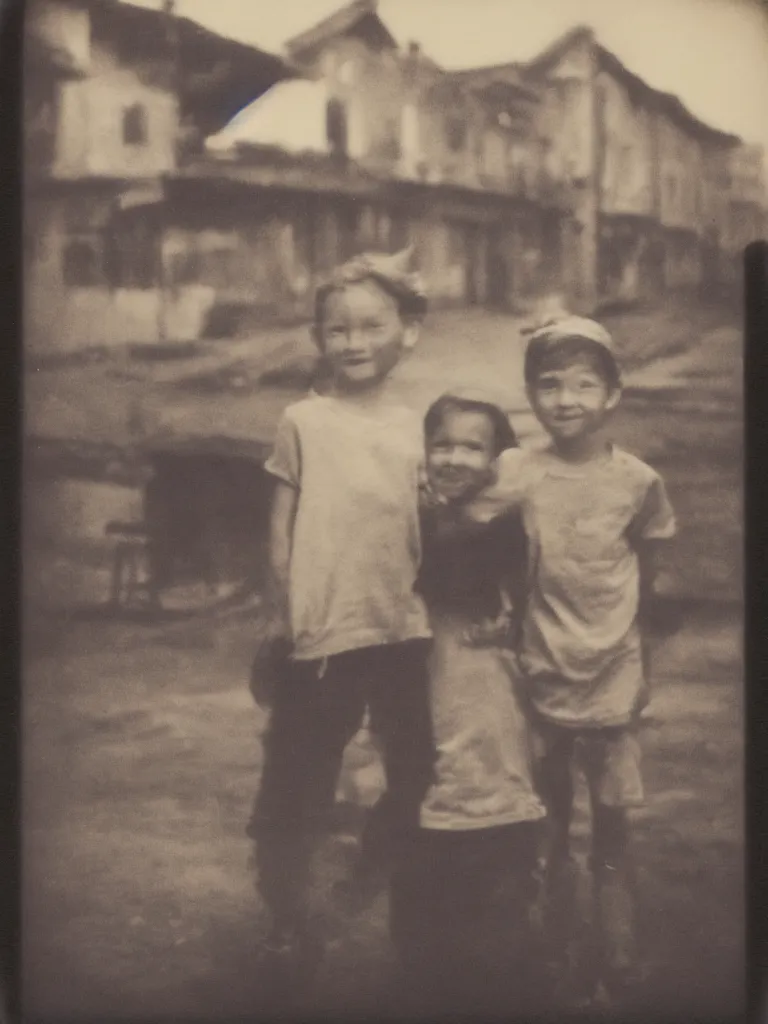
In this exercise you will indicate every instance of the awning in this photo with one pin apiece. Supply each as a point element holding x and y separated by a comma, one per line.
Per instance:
<point>144,194</point>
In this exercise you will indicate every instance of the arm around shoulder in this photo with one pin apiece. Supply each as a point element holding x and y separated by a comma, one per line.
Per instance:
<point>652,531</point>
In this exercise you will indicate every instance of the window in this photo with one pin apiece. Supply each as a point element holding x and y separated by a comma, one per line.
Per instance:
<point>336,126</point>
<point>132,255</point>
<point>184,267</point>
<point>82,262</point>
<point>389,146</point>
<point>135,125</point>
<point>348,72</point>
<point>455,133</point>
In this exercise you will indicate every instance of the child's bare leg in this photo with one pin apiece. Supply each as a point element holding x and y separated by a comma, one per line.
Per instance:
<point>614,895</point>
<point>614,782</point>
<point>556,784</point>
<point>559,896</point>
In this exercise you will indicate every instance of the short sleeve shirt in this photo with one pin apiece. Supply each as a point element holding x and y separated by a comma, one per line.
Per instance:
<point>355,547</point>
<point>580,647</point>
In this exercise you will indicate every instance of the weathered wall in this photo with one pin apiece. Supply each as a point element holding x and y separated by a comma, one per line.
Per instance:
<point>60,316</point>
<point>680,162</point>
<point>746,174</point>
<point>713,207</point>
<point>370,87</point>
<point>571,84</point>
<point>682,263</point>
<point>626,160</point>
<point>89,136</point>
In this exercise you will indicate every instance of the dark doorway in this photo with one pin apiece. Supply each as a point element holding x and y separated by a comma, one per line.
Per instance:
<point>476,272</point>
<point>499,271</point>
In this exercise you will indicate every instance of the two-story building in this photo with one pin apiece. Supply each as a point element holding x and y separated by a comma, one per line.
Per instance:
<point>568,174</point>
<point>745,217</point>
<point>449,162</point>
<point>647,175</point>
<point>115,95</point>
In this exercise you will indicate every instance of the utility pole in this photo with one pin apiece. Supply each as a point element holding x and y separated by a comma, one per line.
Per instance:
<point>174,77</point>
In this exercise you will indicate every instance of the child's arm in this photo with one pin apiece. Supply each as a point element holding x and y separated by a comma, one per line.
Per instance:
<point>284,466</point>
<point>650,533</point>
<point>649,557</point>
<point>282,517</point>
<point>509,545</point>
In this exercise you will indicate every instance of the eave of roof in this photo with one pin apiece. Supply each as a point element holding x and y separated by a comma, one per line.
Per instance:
<point>241,72</point>
<point>338,23</point>
<point>665,101</point>
<point>503,75</point>
<point>277,169</point>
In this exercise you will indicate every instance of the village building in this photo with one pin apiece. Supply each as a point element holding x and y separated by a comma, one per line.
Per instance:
<point>181,185</point>
<point>379,148</point>
<point>649,178</point>
<point>116,96</point>
<point>745,217</point>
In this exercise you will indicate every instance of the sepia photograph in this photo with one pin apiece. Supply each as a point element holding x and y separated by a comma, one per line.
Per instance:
<point>383,365</point>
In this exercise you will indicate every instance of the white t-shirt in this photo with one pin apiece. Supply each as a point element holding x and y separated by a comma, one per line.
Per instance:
<point>355,547</point>
<point>581,650</point>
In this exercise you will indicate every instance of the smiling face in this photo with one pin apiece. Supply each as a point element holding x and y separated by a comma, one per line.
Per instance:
<point>572,399</point>
<point>461,454</point>
<point>362,335</point>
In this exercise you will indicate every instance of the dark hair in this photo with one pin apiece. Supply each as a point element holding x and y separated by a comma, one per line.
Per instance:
<point>552,355</point>
<point>402,286</point>
<point>504,436</point>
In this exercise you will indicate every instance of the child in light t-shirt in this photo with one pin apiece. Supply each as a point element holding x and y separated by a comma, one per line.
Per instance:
<point>596,518</point>
<point>347,631</point>
<point>461,899</point>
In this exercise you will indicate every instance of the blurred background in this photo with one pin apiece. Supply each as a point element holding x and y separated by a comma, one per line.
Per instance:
<point>192,171</point>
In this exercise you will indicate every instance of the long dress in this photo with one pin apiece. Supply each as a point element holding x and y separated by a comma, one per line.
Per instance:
<point>460,906</point>
<point>483,770</point>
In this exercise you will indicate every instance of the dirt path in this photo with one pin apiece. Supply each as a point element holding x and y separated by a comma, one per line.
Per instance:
<point>142,756</point>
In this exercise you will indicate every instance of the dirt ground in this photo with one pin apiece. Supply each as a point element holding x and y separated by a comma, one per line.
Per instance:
<point>142,755</point>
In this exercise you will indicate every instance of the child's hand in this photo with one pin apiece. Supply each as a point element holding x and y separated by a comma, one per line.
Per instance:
<point>268,668</point>
<point>275,620</point>
<point>489,632</point>
<point>642,702</point>
<point>660,616</point>
<point>274,646</point>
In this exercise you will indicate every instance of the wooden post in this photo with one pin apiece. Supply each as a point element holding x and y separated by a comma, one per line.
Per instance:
<point>172,36</point>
